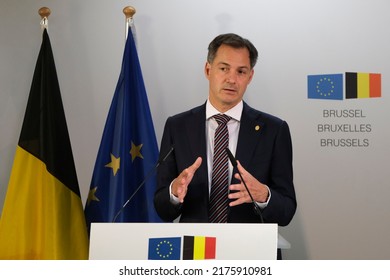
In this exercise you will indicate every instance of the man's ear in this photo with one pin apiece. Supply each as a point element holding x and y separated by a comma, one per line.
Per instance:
<point>207,69</point>
<point>251,75</point>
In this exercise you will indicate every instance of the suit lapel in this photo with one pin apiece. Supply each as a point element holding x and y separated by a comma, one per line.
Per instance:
<point>251,127</point>
<point>196,131</point>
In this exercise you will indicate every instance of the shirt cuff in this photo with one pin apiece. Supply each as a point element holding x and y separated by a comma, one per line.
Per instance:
<point>173,199</point>
<point>262,205</point>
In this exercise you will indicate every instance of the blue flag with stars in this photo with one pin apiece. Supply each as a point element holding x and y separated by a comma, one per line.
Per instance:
<point>128,152</point>
<point>327,86</point>
<point>164,248</point>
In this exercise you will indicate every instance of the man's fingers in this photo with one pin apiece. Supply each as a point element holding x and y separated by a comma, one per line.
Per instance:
<point>185,178</point>
<point>195,165</point>
<point>240,167</point>
<point>181,192</point>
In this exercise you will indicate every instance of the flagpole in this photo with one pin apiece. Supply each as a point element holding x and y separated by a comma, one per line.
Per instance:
<point>129,12</point>
<point>44,12</point>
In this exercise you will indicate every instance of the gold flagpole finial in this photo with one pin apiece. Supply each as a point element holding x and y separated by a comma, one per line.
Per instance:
<point>129,11</point>
<point>44,12</point>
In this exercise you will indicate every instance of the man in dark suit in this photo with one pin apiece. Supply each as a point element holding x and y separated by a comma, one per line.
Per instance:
<point>260,142</point>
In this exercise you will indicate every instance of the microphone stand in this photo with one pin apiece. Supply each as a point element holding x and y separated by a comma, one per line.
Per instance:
<point>142,183</point>
<point>256,207</point>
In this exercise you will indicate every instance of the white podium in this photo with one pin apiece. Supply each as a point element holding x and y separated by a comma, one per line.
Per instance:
<point>143,241</point>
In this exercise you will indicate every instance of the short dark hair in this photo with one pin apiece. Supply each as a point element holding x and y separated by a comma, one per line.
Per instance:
<point>234,41</point>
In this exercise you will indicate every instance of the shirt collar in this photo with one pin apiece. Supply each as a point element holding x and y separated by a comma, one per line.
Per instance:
<point>234,113</point>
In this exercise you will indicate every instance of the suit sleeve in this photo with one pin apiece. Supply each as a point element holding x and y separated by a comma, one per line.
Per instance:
<point>166,173</point>
<point>282,205</point>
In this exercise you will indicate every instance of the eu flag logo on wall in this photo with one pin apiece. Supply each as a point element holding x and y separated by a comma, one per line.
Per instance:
<point>325,86</point>
<point>164,248</point>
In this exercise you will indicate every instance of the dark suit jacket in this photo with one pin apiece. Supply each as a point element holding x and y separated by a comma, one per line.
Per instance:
<point>266,153</point>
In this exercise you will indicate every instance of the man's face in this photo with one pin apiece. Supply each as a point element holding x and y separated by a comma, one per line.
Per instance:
<point>229,75</point>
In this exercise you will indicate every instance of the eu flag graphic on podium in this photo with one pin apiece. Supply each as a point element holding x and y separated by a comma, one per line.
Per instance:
<point>128,151</point>
<point>168,248</point>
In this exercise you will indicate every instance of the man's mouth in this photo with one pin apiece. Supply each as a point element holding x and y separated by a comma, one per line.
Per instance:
<point>229,89</point>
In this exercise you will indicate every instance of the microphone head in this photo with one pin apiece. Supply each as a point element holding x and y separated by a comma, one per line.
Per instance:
<point>231,157</point>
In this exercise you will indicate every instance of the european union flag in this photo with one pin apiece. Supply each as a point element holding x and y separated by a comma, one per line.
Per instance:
<point>328,86</point>
<point>128,151</point>
<point>164,248</point>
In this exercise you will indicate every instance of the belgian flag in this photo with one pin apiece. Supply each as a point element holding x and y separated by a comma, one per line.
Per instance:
<point>43,215</point>
<point>362,85</point>
<point>199,248</point>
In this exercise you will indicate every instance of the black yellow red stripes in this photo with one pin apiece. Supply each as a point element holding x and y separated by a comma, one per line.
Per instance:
<point>199,247</point>
<point>362,85</point>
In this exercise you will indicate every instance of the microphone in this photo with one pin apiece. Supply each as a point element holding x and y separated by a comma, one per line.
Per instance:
<point>256,207</point>
<point>161,160</point>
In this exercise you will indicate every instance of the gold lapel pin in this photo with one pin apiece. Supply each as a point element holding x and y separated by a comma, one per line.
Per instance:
<point>257,127</point>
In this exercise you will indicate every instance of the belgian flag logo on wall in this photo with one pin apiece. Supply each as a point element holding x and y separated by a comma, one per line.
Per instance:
<point>362,85</point>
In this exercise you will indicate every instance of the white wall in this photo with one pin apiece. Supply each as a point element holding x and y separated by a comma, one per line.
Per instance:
<point>343,209</point>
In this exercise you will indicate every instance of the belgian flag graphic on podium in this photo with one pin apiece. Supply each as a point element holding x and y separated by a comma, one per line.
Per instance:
<point>43,215</point>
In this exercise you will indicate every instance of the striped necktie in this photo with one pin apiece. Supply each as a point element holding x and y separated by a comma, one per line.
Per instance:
<point>220,174</point>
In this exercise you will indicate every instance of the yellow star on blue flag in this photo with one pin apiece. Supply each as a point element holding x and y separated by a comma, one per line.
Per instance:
<point>114,164</point>
<point>135,151</point>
